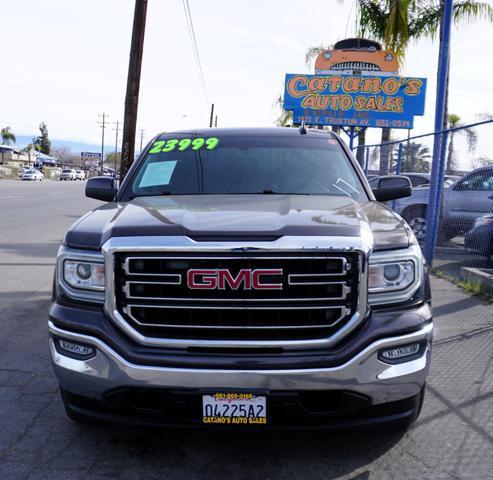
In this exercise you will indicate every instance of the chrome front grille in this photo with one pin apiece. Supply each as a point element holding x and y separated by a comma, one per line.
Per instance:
<point>318,296</point>
<point>370,67</point>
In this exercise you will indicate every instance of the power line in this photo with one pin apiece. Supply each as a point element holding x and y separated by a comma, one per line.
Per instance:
<point>142,135</point>
<point>103,125</point>
<point>193,40</point>
<point>116,129</point>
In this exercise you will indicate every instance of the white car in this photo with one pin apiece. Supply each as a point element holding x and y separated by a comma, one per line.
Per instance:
<point>68,174</point>
<point>32,174</point>
<point>80,175</point>
<point>24,170</point>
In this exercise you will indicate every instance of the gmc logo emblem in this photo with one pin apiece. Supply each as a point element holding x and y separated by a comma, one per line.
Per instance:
<point>247,279</point>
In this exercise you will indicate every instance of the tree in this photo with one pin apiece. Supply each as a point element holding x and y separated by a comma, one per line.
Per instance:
<point>396,22</point>
<point>109,162</point>
<point>415,158</point>
<point>8,136</point>
<point>66,156</point>
<point>43,141</point>
<point>453,121</point>
<point>482,161</point>
<point>387,21</point>
<point>360,151</point>
<point>430,18</point>
<point>286,116</point>
<point>392,23</point>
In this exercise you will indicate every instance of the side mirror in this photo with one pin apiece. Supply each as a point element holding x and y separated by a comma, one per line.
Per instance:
<point>392,187</point>
<point>101,188</point>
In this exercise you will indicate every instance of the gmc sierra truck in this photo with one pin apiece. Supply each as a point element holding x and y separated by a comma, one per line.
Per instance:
<point>242,277</point>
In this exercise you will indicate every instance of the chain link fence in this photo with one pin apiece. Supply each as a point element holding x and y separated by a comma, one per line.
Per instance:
<point>454,224</point>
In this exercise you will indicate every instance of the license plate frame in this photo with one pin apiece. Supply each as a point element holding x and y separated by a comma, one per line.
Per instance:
<point>236,408</point>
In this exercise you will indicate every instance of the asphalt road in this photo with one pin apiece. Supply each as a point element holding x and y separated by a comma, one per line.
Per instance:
<point>452,439</point>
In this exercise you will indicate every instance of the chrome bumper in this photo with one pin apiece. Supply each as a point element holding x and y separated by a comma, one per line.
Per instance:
<point>364,373</point>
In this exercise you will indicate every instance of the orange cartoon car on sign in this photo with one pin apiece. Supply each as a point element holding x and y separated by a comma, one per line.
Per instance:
<point>357,56</point>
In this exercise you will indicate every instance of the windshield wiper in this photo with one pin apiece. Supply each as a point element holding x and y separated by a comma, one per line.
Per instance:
<point>268,191</point>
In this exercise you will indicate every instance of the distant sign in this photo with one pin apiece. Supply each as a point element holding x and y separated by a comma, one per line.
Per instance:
<point>355,100</point>
<point>90,159</point>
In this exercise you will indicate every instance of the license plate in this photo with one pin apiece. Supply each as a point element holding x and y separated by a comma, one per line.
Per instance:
<point>234,409</point>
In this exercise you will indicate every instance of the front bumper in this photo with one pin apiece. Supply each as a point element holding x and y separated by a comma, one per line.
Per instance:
<point>364,375</point>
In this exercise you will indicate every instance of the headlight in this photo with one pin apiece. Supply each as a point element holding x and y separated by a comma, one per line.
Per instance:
<point>80,274</point>
<point>390,276</point>
<point>84,275</point>
<point>394,276</point>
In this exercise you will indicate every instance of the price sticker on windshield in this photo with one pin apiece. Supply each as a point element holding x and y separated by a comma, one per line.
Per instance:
<point>182,144</point>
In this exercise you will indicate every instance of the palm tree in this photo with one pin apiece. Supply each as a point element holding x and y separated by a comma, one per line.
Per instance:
<point>286,116</point>
<point>416,158</point>
<point>453,121</point>
<point>396,22</point>
<point>8,136</point>
<point>388,22</point>
<point>463,12</point>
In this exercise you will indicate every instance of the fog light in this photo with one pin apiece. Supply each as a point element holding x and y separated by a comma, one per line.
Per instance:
<point>397,353</point>
<point>76,348</point>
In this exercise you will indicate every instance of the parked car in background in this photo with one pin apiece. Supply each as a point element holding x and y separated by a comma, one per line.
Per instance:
<point>80,175</point>
<point>466,201</point>
<point>32,175</point>
<point>68,174</point>
<point>414,208</point>
<point>480,238</point>
<point>108,172</point>
<point>25,169</point>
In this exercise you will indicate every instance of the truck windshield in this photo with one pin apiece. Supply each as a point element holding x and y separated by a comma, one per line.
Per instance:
<point>192,165</point>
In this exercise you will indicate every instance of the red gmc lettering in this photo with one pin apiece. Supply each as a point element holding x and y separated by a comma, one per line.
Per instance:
<point>207,279</point>
<point>224,277</point>
<point>258,274</point>
<point>221,278</point>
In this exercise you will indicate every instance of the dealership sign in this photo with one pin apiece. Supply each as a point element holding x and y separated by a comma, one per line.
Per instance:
<point>90,159</point>
<point>355,100</point>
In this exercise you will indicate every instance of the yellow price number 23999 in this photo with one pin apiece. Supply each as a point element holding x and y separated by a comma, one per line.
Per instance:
<point>184,144</point>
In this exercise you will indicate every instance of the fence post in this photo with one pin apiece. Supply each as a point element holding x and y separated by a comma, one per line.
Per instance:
<point>434,201</point>
<point>352,136</point>
<point>367,160</point>
<point>438,150</point>
<point>399,160</point>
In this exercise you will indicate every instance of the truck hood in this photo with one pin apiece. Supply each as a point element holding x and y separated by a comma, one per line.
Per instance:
<point>249,217</point>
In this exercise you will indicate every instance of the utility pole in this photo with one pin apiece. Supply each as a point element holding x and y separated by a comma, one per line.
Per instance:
<point>133,86</point>
<point>215,121</point>
<point>102,124</point>
<point>212,116</point>
<point>117,129</point>
<point>142,135</point>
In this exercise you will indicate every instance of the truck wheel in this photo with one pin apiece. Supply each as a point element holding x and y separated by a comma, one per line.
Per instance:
<point>416,218</point>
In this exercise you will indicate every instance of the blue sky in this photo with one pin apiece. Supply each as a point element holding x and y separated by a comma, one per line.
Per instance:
<point>68,62</point>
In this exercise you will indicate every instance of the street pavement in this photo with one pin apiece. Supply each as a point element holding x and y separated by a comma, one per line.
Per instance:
<point>453,438</point>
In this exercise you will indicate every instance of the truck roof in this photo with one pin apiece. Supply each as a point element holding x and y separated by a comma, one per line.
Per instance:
<point>250,131</point>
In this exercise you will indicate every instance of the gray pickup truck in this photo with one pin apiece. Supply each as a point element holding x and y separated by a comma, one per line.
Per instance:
<point>242,277</point>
